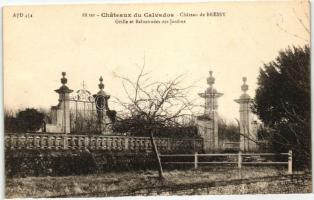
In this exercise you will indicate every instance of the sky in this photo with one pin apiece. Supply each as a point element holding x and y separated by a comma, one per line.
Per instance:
<point>57,38</point>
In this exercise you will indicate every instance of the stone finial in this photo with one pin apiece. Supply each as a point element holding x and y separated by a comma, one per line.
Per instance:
<point>210,79</point>
<point>244,87</point>
<point>63,79</point>
<point>101,85</point>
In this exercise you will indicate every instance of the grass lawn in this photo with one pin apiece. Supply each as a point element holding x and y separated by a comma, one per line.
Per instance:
<point>73,185</point>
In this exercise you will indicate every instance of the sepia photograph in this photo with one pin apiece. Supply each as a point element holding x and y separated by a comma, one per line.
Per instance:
<point>157,99</point>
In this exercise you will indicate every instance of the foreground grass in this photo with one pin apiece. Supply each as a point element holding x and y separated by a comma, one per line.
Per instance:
<point>97,183</point>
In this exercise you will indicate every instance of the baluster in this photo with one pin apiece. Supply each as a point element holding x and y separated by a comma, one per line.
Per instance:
<point>73,142</point>
<point>118,143</point>
<point>103,142</point>
<point>143,144</point>
<point>49,142</point>
<point>65,142</point>
<point>92,142</point>
<point>98,142</point>
<point>79,143</point>
<point>126,143</point>
<point>107,142</point>
<point>136,144</point>
<point>27,145</point>
<point>82,142</point>
<point>76,141</point>
<point>36,142</point>
<point>86,142</point>
<point>121,140</point>
<point>46,142</point>
<point>139,144</point>
<point>7,141</point>
<point>42,142</point>
<point>58,142</point>
<point>113,144</point>
<point>131,143</point>
<point>147,144</point>
<point>13,142</point>
<point>32,142</point>
<point>95,142</point>
<point>23,142</point>
<point>54,142</point>
<point>18,142</point>
<point>82,138</point>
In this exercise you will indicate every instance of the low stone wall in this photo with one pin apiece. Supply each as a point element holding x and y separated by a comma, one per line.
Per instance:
<point>21,163</point>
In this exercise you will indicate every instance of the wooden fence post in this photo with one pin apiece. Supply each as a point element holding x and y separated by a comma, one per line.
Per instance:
<point>195,160</point>
<point>240,160</point>
<point>290,162</point>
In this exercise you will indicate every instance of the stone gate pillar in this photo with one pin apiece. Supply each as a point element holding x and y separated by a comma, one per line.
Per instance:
<point>247,131</point>
<point>208,122</point>
<point>63,113</point>
<point>101,102</point>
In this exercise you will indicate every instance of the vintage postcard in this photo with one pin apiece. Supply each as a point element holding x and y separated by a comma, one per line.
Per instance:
<point>166,99</point>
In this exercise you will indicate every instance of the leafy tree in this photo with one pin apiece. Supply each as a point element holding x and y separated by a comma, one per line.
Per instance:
<point>30,119</point>
<point>10,121</point>
<point>282,102</point>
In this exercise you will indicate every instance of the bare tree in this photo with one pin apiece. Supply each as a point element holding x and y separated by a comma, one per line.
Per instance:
<point>153,104</point>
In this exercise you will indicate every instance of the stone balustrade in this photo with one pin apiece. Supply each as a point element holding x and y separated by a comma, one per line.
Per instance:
<point>99,142</point>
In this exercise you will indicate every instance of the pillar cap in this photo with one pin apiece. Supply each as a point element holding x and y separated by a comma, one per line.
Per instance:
<point>244,98</point>
<point>244,86</point>
<point>210,92</point>
<point>101,87</point>
<point>63,89</point>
